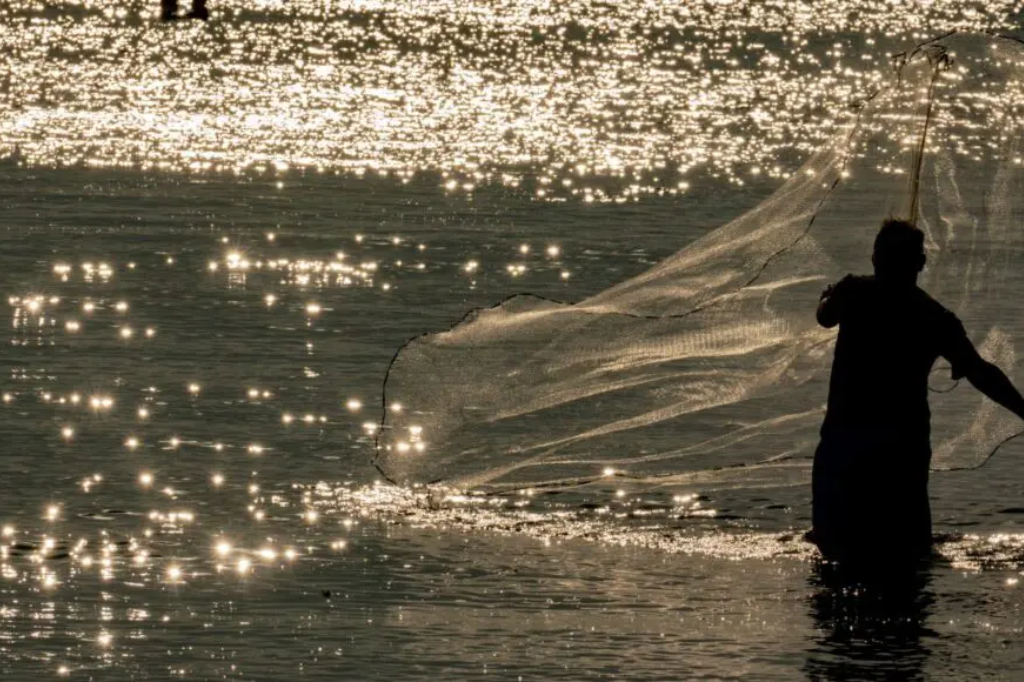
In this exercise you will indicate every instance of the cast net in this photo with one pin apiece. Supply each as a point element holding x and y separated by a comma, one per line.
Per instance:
<point>709,369</point>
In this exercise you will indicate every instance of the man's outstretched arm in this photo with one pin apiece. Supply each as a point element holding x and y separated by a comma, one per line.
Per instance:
<point>994,383</point>
<point>967,362</point>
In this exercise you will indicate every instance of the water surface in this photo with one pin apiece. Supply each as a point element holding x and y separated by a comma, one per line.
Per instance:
<point>216,236</point>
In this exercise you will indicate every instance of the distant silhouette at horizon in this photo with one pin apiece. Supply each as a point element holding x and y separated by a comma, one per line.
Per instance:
<point>169,10</point>
<point>870,477</point>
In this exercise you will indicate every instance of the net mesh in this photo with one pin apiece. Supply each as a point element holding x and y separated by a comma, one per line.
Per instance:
<point>709,369</point>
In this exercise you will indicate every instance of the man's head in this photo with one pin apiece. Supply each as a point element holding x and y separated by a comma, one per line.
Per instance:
<point>899,251</point>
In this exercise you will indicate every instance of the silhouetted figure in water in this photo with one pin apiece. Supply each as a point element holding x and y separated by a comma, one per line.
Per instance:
<point>870,481</point>
<point>169,10</point>
<point>199,10</point>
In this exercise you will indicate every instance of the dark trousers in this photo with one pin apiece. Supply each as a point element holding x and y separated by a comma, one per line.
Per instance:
<point>870,496</point>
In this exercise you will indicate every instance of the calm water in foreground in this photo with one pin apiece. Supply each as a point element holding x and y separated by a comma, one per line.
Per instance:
<point>214,239</point>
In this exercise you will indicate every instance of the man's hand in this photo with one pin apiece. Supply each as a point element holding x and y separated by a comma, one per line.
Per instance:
<point>831,304</point>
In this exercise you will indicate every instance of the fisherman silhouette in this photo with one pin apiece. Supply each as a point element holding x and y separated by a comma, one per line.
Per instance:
<point>870,477</point>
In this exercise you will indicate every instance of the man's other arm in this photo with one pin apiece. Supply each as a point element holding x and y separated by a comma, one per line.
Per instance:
<point>994,383</point>
<point>967,362</point>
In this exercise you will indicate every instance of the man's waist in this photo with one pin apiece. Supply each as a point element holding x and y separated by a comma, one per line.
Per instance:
<point>902,428</point>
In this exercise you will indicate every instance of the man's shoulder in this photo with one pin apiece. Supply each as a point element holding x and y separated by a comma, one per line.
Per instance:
<point>853,282</point>
<point>931,303</point>
<point>937,311</point>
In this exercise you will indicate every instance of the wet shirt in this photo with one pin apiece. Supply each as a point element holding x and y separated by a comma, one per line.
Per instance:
<point>889,340</point>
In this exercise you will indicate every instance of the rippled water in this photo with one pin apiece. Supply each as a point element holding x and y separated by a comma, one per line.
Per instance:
<point>215,237</point>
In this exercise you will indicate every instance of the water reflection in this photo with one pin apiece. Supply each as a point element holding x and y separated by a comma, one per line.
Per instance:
<point>873,622</point>
<point>591,100</point>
